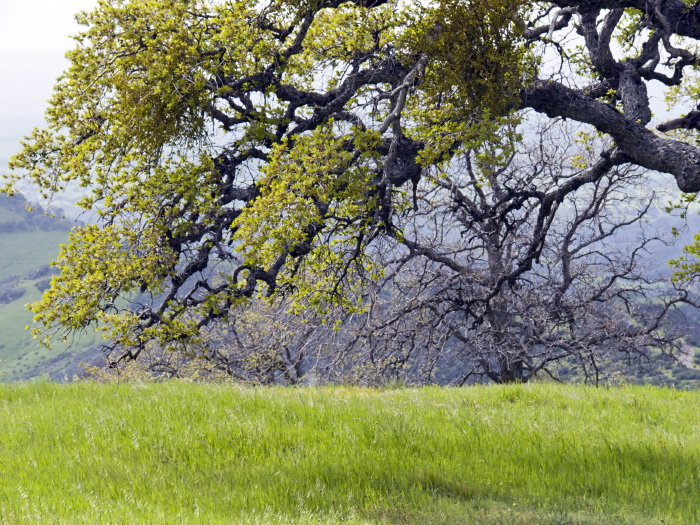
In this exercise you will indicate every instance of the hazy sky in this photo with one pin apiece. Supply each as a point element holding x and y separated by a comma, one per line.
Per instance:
<point>33,40</point>
<point>38,24</point>
<point>34,36</point>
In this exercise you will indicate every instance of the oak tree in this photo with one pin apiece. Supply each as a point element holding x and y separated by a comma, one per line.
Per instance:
<point>236,148</point>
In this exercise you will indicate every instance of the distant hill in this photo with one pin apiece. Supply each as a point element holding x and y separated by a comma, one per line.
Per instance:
<point>18,215</point>
<point>29,241</point>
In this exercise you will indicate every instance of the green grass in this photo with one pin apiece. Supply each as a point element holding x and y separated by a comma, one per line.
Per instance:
<point>193,453</point>
<point>22,251</point>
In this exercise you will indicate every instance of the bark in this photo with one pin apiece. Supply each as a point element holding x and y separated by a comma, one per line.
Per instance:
<point>640,144</point>
<point>684,19</point>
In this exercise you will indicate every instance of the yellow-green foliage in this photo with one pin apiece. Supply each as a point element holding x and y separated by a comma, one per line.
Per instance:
<point>476,57</point>
<point>315,171</point>
<point>133,121</point>
<point>192,453</point>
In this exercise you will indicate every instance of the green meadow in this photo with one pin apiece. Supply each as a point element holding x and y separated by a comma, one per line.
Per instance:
<point>205,453</point>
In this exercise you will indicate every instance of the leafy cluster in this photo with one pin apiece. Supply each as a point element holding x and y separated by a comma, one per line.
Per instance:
<point>231,148</point>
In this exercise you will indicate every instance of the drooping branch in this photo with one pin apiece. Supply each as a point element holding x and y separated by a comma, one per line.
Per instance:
<point>641,145</point>
<point>689,121</point>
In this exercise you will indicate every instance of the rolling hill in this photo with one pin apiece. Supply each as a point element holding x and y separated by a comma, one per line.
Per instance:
<point>29,240</point>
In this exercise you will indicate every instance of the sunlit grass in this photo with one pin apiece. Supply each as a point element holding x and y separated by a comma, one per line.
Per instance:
<point>190,453</point>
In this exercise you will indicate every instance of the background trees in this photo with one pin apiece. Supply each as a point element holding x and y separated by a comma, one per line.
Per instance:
<point>580,286</point>
<point>234,149</point>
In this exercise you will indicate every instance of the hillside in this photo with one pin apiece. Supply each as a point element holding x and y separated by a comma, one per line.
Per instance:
<point>30,240</point>
<point>197,453</point>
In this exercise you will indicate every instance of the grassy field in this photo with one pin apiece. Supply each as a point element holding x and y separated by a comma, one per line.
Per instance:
<point>193,453</point>
<point>20,355</point>
<point>22,251</point>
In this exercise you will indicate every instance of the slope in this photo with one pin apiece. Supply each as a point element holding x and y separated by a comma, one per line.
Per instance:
<point>29,240</point>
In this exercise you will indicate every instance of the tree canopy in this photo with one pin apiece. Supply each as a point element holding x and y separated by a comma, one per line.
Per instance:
<point>236,148</point>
